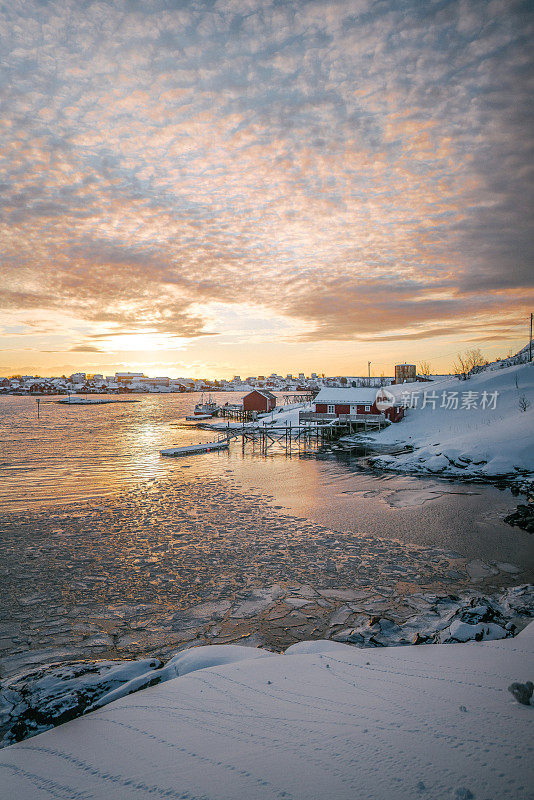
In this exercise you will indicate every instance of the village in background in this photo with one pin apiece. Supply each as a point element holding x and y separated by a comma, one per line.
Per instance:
<point>465,365</point>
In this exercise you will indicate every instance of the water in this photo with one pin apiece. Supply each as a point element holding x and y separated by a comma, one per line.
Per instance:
<point>76,453</point>
<point>110,550</point>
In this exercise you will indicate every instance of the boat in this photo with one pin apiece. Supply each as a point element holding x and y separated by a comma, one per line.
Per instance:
<point>205,410</point>
<point>191,449</point>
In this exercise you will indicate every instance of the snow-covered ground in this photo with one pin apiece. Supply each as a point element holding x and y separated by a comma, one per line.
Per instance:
<point>489,435</point>
<point>282,415</point>
<point>39,698</point>
<point>324,721</point>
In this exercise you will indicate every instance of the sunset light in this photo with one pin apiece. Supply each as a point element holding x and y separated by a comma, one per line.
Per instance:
<point>351,170</point>
<point>266,399</point>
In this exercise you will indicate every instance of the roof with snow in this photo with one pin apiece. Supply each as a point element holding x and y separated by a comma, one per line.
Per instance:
<point>264,392</point>
<point>346,396</point>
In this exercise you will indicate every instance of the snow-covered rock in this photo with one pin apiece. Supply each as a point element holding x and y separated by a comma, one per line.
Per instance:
<point>444,619</point>
<point>319,722</point>
<point>490,438</point>
<point>39,699</point>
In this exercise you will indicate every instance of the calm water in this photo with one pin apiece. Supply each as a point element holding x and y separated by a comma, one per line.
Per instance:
<point>75,455</point>
<point>99,531</point>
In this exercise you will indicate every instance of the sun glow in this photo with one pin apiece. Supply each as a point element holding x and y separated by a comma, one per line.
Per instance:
<point>142,342</point>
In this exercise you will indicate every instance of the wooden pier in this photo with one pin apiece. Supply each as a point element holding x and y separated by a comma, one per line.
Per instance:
<point>235,412</point>
<point>299,397</point>
<point>312,432</point>
<point>291,438</point>
<point>192,449</point>
<point>345,424</point>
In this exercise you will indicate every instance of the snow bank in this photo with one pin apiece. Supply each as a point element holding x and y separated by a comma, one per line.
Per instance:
<point>434,722</point>
<point>181,664</point>
<point>482,442</point>
<point>41,698</point>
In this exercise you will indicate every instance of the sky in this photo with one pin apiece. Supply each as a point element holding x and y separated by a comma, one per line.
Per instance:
<point>219,187</point>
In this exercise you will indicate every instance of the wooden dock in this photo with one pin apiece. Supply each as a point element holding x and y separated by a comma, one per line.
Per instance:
<point>235,412</point>
<point>291,438</point>
<point>299,397</point>
<point>345,424</point>
<point>312,432</point>
<point>192,449</point>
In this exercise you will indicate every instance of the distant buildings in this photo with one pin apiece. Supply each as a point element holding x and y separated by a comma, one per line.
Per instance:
<point>128,377</point>
<point>153,382</point>
<point>132,382</point>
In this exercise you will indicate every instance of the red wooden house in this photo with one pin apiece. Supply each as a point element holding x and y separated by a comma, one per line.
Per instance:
<point>357,401</point>
<point>259,400</point>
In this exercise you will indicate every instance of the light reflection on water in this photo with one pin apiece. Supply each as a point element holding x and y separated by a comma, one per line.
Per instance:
<point>80,454</point>
<point>105,543</point>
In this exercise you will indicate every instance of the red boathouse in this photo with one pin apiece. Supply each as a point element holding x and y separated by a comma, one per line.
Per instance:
<point>259,400</point>
<point>356,401</point>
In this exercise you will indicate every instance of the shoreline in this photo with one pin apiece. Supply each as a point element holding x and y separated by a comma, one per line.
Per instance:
<point>322,720</point>
<point>38,697</point>
<point>105,618</point>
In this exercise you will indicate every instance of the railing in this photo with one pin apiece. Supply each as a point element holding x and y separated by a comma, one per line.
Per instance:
<point>362,417</point>
<point>315,416</point>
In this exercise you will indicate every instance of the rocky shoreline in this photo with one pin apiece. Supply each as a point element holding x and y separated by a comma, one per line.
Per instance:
<point>522,518</point>
<point>381,458</point>
<point>38,699</point>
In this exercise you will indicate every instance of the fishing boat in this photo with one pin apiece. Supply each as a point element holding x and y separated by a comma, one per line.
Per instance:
<point>205,409</point>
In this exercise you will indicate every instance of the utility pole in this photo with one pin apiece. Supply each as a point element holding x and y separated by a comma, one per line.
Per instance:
<point>369,368</point>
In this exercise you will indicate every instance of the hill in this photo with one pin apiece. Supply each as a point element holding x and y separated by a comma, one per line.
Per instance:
<point>481,428</point>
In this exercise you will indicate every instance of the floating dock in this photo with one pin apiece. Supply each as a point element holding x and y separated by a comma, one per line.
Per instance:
<point>94,401</point>
<point>192,449</point>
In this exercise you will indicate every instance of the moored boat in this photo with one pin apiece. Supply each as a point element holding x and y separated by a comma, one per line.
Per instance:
<point>207,409</point>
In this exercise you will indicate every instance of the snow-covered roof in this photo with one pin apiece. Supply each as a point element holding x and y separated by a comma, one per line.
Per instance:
<point>265,392</point>
<point>353,395</point>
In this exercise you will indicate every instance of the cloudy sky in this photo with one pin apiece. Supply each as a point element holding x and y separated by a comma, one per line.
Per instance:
<point>205,187</point>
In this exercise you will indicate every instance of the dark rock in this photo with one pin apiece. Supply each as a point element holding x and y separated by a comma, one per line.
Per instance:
<point>42,698</point>
<point>479,610</point>
<point>523,517</point>
<point>522,692</point>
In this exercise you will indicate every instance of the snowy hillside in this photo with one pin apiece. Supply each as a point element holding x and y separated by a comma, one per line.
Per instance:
<point>326,720</point>
<point>482,427</point>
